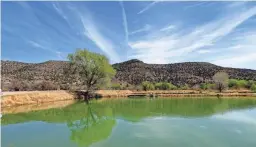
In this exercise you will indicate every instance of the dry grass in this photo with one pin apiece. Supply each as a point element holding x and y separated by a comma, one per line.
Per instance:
<point>36,97</point>
<point>33,107</point>
<point>39,97</point>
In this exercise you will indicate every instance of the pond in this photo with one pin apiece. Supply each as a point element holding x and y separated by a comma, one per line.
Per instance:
<point>184,122</point>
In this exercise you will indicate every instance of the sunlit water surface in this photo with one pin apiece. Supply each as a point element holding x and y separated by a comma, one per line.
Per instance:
<point>136,122</point>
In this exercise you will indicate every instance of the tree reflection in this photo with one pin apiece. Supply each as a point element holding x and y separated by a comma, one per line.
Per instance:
<point>92,127</point>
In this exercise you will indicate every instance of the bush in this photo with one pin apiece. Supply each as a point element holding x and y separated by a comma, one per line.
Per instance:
<point>115,86</point>
<point>147,86</point>
<point>204,86</point>
<point>173,87</point>
<point>250,83</point>
<point>165,86</point>
<point>185,87</point>
<point>158,86</point>
<point>242,83</point>
<point>253,87</point>
<point>233,83</point>
<point>211,86</point>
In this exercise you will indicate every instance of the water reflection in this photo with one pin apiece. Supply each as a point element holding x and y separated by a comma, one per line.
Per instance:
<point>164,122</point>
<point>91,128</point>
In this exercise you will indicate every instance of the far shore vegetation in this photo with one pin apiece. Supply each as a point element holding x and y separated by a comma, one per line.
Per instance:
<point>92,71</point>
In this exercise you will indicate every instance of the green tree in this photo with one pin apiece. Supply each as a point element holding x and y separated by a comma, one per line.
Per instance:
<point>147,86</point>
<point>242,83</point>
<point>233,83</point>
<point>165,86</point>
<point>221,80</point>
<point>250,83</point>
<point>158,86</point>
<point>204,86</point>
<point>253,87</point>
<point>92,69</point>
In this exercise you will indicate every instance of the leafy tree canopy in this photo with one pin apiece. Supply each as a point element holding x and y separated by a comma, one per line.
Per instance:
<point>92,69</point>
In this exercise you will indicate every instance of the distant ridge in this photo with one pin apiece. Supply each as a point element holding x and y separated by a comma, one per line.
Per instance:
<point>132,71</point>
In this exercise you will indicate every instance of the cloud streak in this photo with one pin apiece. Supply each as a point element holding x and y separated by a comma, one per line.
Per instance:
<point>125,24</point>
<point>91,31</point>
<point>59,54</point>
<point>148,7</point>
<point>147,27</point>
<point>173,47</point>
<point>167,28</point>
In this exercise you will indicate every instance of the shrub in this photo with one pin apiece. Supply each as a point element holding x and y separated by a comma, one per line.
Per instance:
<point>147,86</point>
<point>253,87</point>
<point>233,83</point>
<point>185,87</point>
<point>204,86</point>
<point>242,83</point>
<point>115,86</point>
<point>158,86</point>
<point>173,87</point>
<point>165,86</point>
<point>250,83</point>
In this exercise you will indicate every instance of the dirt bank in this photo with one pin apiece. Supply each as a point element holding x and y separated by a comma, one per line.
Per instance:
<point>34,97</point>
<point>34,107</point>
<point>10,99</point>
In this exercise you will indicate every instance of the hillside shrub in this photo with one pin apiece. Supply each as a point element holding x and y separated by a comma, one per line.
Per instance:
<point>204,86</point>
<point>147,86</point>
<point>233,83</point>
<point>242,83</point>
<point>253,87</point>
<point>165,86</point>
<point>184,87</point>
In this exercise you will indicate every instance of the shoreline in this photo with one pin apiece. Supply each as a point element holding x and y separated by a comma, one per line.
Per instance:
<point>10,99</point>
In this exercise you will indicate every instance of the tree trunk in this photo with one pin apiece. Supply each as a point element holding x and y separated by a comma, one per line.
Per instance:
<point>86,97</point>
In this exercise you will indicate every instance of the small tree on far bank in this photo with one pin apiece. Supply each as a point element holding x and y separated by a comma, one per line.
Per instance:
<point>221,81</point>
<point>92,69</point>
<point>147,86</point>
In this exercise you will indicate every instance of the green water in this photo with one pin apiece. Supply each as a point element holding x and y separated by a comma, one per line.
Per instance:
<point>136,122</point>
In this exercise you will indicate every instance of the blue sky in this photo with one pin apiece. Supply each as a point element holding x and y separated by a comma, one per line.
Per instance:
<point>223,33</point>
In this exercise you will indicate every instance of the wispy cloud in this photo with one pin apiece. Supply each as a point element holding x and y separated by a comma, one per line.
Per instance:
<point>238,61</point>
<point>125,24</point>
<point>167,28</point>
<point>204,51</point>
<point>195,5</point>
<point>35,44</point>
<point>179,44</point>
<point>148,7</point>
<point>147,27</point>
<point>92,32</point>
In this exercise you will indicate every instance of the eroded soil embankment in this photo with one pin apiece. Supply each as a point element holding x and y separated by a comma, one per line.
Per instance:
<point>36,97</point>
<point>10,99</point>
